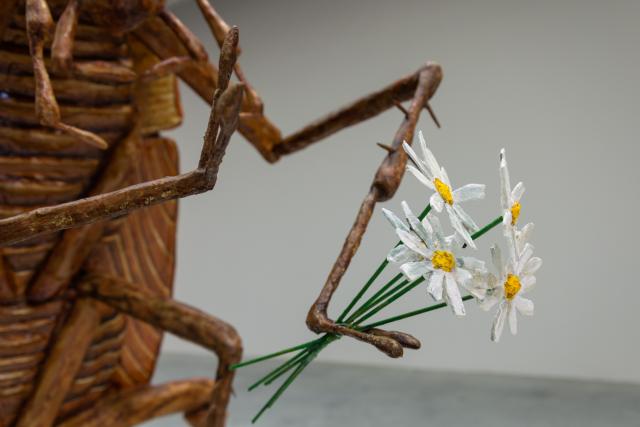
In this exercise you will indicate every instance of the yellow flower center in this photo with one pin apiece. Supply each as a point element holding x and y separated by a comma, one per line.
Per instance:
<point>511,286</point>
<point>515,212</point>
<point>444,191</point>
<point>443,260</point>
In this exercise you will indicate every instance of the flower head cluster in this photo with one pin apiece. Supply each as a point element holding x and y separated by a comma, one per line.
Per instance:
<point>424,251</point>
<point>428,171</point>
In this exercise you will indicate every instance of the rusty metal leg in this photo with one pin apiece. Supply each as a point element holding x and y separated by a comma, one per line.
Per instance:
<point>181,320</point>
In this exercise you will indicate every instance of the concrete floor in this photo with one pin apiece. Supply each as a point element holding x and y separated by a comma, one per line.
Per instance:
<point>338,395</point>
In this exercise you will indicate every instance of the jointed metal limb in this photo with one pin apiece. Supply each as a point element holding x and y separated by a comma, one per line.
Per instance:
<point>222,123</point>
<point>39,28</point>
<point>181,320</point>
<point>384,186</point>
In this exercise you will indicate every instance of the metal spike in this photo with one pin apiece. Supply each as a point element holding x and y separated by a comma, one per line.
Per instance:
<point>433,115</point>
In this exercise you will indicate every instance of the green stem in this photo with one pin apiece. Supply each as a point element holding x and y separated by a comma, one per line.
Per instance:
<point>375,298</point>
<point>364,289</point>
<point>305,362</point>
<point>272,355</point>
<point>486,228</point>
<point>409,314</point>
<point>280,369</point>
<point>408,288</point>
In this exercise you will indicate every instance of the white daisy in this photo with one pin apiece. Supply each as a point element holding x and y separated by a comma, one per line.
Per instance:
<point>429,172</point>
<point>425,252</point>
<point>508,287</point>
<point>509,198</point>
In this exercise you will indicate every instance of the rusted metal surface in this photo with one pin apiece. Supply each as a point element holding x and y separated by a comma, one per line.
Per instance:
<point>88,205</point>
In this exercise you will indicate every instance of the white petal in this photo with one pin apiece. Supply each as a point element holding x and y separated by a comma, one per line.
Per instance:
<point>419,163</point>
<point>413,242</point>
<point>394,220</point>
<point>523,236</point>
<point>507,217</point>
<point>430,232</point>
<point>469,192</point>
<point>527,283</point>
<point>420,176</point>
<point>435,284</point>
<point>454,241</point>
<point>413,270</point>
<point>524,256</point>
<point>462,276</point>
<point>498,262</point>
<point>453,295</point>
<point>517,192</point>
<point>436,202</point>
<point>437,230</point>
<point>429,158</point>
<point>513,319</point>
<point>475,264</point>
<point>488,302</point>
<point>444,177</point>
<point>416,225</point>
<point>498,321</point>
<point>467,221</point>
<point>532,266</point>
<point>401,254</point>
<point>457,225</point>
<point>524,305</point>
<point>505,184</point>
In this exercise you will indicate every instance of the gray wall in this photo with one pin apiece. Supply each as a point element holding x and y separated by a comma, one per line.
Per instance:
<point>555,82</point>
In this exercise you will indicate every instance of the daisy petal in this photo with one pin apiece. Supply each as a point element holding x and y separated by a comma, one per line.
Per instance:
<point>435,285</point>
<point>524,306</point>
<point>532,266</point>
<point>496,257</point>
<point>498,322</point>
<point>416,160</point>
<point>462,276</point>
<point>517,192</point>
<point>445,177</point>
<point>513,319</point>
<point>413,270</point>
<point>394,220</point>
<point>416,225</point>
<point>420,176</point>
<point>488,302</point>
<point>526,253</point>
<point>505,184</point>
<point>401,254</point>
<point>457,225</point>
<point>523,236</point>
<point>436,202</point>
<point>429,158</point>
<point>473,264</point>
<point>467,221</point>
<point>413,242</point>
<point>453,295</point>
<point>527,283</point>
<point>507,217</point>
<point>469,192</point>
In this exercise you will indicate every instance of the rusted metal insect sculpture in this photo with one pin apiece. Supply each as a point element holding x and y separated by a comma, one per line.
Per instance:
<point>88,191</point>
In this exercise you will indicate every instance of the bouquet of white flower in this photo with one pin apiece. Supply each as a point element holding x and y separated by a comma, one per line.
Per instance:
<point>425,254</point>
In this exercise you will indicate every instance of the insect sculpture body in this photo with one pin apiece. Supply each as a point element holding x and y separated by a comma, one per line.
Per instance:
<point>88,190</point>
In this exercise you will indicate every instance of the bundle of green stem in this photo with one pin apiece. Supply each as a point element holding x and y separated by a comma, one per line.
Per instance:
<point>387,294</point>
